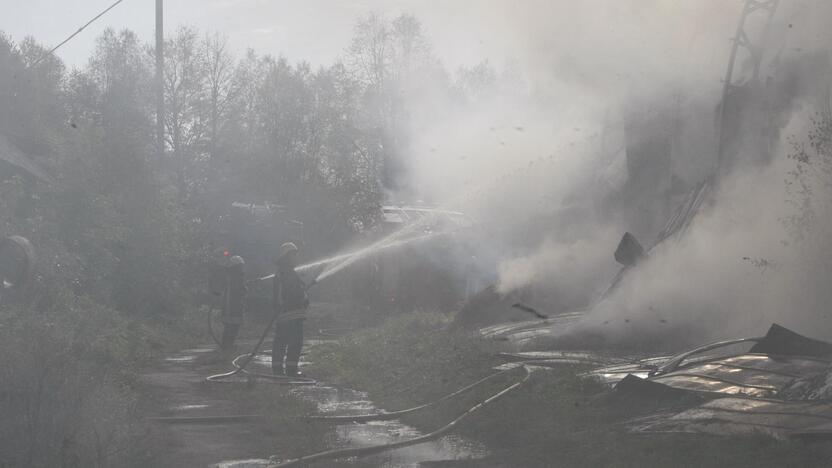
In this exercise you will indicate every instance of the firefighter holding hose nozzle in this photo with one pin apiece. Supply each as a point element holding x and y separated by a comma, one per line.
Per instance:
<point>290,303</point>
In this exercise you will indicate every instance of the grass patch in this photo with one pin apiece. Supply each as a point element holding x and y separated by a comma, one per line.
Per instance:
<point>410,359</point>
<point>557,419</point>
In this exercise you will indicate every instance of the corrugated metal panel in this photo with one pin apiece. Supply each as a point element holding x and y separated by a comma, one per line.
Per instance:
<point>741,416</point>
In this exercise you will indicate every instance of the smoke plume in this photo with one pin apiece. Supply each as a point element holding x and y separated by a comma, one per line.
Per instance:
<point>541,165</point>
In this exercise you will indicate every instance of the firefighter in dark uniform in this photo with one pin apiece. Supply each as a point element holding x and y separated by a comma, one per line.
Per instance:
<point>290,303</point>
<point>234,299</point>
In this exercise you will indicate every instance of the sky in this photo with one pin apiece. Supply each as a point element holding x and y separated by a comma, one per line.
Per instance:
<point>317,31</point>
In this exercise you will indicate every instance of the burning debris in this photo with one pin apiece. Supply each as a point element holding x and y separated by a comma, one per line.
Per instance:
<point>629,251</point>
<point>531,310</point>
<point>765,370</point>
<point>779,387</point>
<point>490,304</point>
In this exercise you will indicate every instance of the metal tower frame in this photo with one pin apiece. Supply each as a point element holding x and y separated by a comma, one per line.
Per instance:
<point>742,40</point>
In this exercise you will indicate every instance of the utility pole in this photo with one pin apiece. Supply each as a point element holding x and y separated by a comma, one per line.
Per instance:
<point>160,73</point>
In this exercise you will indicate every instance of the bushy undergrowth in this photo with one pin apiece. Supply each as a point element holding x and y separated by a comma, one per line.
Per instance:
<point>66,385</point>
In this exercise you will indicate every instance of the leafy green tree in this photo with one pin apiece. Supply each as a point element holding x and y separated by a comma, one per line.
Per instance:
<point>117,201</point>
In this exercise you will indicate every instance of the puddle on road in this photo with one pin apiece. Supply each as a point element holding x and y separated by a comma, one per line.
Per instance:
<point>189,407</point>
<point>180,359</point>
<point>339,401</point>
<point>448,448</point>
<point>200,350</point>
<point>253,463</point>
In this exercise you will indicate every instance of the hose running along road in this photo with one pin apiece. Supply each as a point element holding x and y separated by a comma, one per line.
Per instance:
<point>396,414</point>
<point>366,451</point>
<point>238,368</point>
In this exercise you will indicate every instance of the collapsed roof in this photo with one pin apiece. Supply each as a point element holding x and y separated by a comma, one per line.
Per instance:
<point>779,387</point>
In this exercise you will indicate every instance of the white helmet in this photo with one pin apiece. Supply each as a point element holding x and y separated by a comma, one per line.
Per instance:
<point>236,260</point>
<point>286,248</point>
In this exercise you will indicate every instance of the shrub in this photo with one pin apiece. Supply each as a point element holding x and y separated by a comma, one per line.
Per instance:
<point>64,388</point>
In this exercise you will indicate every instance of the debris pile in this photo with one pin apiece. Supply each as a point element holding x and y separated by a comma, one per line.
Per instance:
<point>780,387</point>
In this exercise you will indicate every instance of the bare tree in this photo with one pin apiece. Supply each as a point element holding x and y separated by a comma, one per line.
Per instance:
<point>371,52</point>
<point>248,77</point>
<point>222,87</point>
<point>185,95</point>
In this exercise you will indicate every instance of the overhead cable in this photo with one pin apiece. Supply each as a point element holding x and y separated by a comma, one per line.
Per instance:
<point>40,59</point>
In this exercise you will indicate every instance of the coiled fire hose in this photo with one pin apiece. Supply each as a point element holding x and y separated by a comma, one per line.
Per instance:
<point>238,367</point>
<point>241,367</point>
<point>366,451</point>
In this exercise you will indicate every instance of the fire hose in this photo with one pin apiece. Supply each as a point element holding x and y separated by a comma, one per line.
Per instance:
<point>241,367</point>
<point>397,414</point>
<point>249,357</point>
<point>366,451</point>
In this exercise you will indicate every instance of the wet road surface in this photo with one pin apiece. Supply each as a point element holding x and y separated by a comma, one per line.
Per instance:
<point>180,390</point>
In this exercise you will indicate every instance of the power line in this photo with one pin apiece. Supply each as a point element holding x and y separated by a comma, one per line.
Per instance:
<point>40,59</point>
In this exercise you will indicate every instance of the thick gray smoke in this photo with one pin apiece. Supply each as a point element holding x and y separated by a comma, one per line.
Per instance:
<point>542,166</point>
<point>731,274</point>
<point>741,266</point>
